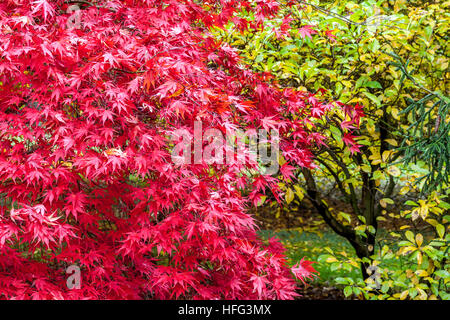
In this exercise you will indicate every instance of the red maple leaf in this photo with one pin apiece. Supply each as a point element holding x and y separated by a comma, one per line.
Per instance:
<point>307,31</point>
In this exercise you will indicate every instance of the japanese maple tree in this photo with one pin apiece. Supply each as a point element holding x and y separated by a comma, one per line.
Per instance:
<point>89,101</point>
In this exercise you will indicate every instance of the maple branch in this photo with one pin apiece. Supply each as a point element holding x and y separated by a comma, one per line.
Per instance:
<point>127,71</point>
<point>152,57</point>
<point>89,4</point>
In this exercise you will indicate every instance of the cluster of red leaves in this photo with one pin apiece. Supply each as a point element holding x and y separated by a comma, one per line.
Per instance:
<point>86,175</point>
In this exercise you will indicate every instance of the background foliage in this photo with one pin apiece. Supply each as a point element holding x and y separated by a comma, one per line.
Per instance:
<point>387,196</point>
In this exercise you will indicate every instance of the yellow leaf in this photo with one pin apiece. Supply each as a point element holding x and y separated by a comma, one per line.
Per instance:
<point>115,152</point>
<point>419,258</point>
<point>394,171</point>
<point>419,239</point>
<point>423,211</point>
<point>385,155</point>
<point>415,214</point>
<point>66,164</point>
<point>394,113</point>
<point>433,222</point>
<point>440,230</point>
<point>348,84</point>
<point>404,190</point>
<point>261,202</point>
<point>277,215</point>
<point>354,263</point>
<point>289,195</point>
<point>375,162</point>
<point>404,294</point>
<point>423,295</point>
<point>299,192</point>
<point>422,273</point>
<point>371,129</point>
<point>392,142</point>
<point>407,250</point>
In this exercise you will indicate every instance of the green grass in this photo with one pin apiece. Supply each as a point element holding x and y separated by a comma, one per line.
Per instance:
<point>310,246</point>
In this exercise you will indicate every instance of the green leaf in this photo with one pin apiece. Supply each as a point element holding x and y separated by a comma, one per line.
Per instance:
<point>410,236</point>
<point>374,45</point>
<point>336,132</point>
<point>341,280</point>
<point>348,291</point>
<point>385,287</point>
<point>444,205</point>
<point>373,98</point>
<point>413,292</point>
<point>356,291</point>
<point>443,274</point>
<point>440,230</point>
<point>259,58</point>
<point>411,203</point>
<point>345,216</point>
<point>373,85</point>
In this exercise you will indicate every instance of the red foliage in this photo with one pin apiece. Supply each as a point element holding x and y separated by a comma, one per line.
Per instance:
<point>86,175</point>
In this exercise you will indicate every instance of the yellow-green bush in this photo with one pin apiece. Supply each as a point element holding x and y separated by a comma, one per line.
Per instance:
<point>391,57</point>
